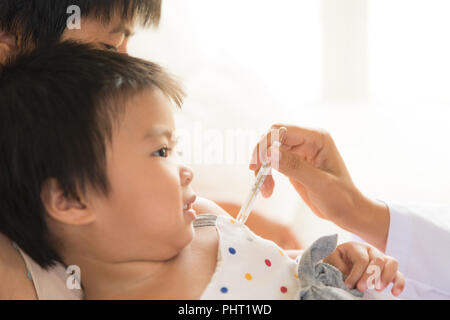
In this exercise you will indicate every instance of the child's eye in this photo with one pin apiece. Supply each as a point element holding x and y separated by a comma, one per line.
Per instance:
<point>163,152</point>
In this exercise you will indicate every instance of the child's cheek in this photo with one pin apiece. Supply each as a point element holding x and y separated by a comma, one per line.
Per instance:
<point>166,182</point>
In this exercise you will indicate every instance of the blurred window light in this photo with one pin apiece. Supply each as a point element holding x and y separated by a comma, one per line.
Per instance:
<point>276,42</point>
<point>409,50</point>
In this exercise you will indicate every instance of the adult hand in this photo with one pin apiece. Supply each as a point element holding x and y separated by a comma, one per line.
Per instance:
<point>311,161</point>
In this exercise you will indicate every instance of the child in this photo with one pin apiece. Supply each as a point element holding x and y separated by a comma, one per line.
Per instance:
<point>88,177</point>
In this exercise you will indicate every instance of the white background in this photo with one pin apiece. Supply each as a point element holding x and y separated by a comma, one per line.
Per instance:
<point>374,73</point>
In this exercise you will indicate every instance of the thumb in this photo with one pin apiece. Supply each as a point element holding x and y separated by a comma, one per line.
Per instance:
<point>295,167</point>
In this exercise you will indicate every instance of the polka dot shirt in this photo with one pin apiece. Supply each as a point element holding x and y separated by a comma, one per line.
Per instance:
<point>250,267</point>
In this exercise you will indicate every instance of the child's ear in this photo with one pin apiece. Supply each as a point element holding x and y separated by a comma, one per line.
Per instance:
<point>64,209</point>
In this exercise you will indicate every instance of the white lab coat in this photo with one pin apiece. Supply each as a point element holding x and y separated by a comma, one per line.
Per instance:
<point>419,238</point>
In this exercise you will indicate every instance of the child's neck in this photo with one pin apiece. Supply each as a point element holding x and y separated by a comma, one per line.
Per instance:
<point>129,280</point>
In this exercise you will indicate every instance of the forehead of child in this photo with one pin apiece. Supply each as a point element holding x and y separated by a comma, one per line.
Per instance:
<point>147,117</point>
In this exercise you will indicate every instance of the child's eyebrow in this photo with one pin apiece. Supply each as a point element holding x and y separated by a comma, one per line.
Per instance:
<point>159,131</point>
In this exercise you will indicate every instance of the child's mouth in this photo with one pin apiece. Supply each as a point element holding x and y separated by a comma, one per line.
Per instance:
<point>188,210</point>
<point>190,213</point>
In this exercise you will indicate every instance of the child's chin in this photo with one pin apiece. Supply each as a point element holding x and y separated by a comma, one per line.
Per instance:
<point>188,237</point>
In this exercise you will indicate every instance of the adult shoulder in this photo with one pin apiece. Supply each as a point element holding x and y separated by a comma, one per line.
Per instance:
<point>15,283</point>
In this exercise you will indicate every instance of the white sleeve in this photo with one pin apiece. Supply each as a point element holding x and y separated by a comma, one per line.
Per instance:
<point>419,238</point>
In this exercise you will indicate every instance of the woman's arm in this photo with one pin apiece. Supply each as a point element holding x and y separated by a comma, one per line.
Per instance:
<point>316,170</point>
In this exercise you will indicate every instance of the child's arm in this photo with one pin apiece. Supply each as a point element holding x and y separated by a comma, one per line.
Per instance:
<point>202,206</point>
<point>293,254</point>
<point>262,226</point>
<point>266,228</point>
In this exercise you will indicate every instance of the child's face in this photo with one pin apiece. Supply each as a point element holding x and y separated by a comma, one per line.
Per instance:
<point>143,218</point>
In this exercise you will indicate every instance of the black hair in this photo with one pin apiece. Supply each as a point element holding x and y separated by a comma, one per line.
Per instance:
<point>37,22</point>
<point>57,111</point>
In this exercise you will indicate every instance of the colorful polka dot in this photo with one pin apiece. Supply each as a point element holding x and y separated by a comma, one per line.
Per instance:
<point>283,289</point>
<point>295,275</point>
<point>281,252</point>
<point>232,221</point>
<point>248,276</point>
<point>224,289</point>
<point>232,250</point>
<point>267,262</point>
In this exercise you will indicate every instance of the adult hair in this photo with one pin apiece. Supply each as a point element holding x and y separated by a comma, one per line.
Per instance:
<point>36,22</point>
<point>58,109</point>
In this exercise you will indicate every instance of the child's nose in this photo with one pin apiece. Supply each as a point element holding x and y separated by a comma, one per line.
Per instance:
<point>187,175</point>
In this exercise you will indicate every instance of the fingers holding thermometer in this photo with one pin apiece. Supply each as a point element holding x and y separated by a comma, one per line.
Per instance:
<point>267,151</point>
<point>263,172</point>
<point>303,156</point>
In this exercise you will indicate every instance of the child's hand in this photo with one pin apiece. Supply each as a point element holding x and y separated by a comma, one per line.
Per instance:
<point>365,267</point>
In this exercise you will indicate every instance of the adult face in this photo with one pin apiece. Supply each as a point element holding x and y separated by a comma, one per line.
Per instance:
<point>113,35</point>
